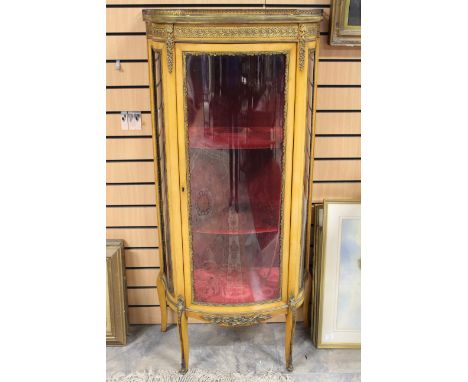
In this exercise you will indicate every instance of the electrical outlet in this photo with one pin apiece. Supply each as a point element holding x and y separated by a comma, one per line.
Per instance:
<point>123,120</point>
<point>134,120</point>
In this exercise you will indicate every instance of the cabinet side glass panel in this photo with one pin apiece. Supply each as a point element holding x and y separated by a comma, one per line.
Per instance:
<point>308,159</point>
<point>235,125</point>
<point>165,245</point>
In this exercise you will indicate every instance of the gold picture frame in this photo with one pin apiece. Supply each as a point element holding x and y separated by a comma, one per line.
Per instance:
<point>345,23</point>
<point>336,318</point>
<point>116,294</point>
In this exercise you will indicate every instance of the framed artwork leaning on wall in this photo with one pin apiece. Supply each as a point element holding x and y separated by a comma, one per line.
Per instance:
<point>345,23</point>
<point>336,290</point>
<point>116,294</point>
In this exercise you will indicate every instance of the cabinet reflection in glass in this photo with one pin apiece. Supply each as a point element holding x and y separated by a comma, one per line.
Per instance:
<point>235,113</point>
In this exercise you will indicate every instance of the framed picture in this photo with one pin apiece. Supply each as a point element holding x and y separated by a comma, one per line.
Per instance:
<point>345,23</point>
<point>336,291</point>
<point>116,294</point>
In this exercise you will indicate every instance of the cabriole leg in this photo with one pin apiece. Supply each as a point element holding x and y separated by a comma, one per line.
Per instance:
<point>183,334</point>
<point>290,327</point>
<point>162,302</point>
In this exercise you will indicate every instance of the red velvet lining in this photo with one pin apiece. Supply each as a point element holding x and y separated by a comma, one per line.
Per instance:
<point>244,286</point>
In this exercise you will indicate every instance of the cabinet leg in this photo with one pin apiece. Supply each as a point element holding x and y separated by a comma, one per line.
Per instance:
<point>162,302</point>
<point>290,327</point>
<point>306,305</point>
<point>183,334</point>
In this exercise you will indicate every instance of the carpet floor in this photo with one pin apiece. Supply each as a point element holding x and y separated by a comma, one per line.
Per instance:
<point>197,375</point>
<point>247,351</point>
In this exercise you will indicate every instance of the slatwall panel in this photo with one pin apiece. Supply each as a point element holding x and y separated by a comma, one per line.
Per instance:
<point>130,181</point>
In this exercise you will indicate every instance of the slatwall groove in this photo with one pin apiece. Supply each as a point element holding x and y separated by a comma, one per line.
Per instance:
<point>336,170</point>
<point>333,111</point>
<point>144,315</point>
<point>134,216</point>
<point>129,160</point>
<point>141,247</point>
<point>339,60</point>
<point>127,87</point>
<point>126,149</point>
<point>336,86</point>
<point>180,3</point>
<point>202,3</point>
<point>128,136</point>
<point>125,33</point>
<point>129,205</point>
<point>338,98</point>
<point>126,47</point>
<point>131,226</point>
<point>130,195</point>
<point>337,135</point>
<point>336,181</point>
<point>119,111</point>
<point>130,172</point>
<point>142,287</point>
<point>303,3</point>
<point>338,158</point>
<point>339,52</point>
<point>126,61</point>
<point>130,73</point>
<point>323,191</point>
<point>143,306</point>
<point>141,258</point>
<point>127,99</point>
<point>135,236</point>
<point>337,147</point>
<point>130,183</point>
<point>339,73</point>
<point>141,277</point>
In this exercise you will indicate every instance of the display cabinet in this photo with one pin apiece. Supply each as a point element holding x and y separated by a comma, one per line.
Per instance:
<point>233,106</point>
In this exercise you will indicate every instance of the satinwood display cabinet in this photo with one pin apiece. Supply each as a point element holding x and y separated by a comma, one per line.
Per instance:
<point>233,104</point>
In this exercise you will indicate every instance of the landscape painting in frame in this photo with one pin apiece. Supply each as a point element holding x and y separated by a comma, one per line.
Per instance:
<point>340,284</point>
<point>345,23</point>
<point>348,315</point>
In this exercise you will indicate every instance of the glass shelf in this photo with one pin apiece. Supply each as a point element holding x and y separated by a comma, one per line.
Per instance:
<point>235,138</point>
<point>246,225</point>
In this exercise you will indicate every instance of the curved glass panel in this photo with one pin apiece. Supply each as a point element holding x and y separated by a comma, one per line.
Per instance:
<point>308,158</point>
<point>165,244</point>
<point>235,110</point>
